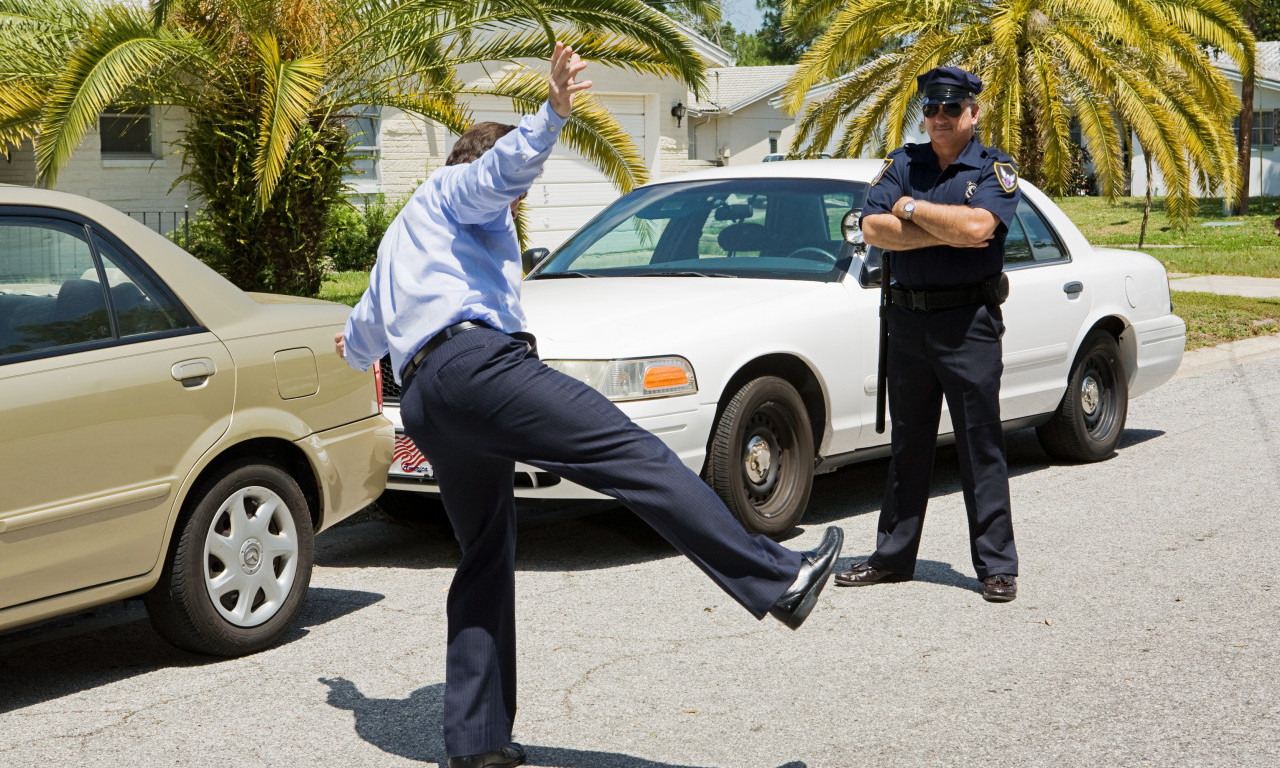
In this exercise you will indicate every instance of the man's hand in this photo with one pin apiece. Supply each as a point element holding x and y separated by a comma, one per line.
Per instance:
<point>565,66</point>
<point>340,345</point>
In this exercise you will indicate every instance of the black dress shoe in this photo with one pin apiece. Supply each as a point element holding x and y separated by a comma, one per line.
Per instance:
<point>862,574</point>
<point>1000,588</point>
<point>507,757</point>
<point>796,603</point>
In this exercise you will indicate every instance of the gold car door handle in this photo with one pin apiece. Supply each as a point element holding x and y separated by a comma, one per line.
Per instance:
<point>193,373</point>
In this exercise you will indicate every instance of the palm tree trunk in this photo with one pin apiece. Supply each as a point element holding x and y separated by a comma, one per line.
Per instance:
<point>1245,145</point>
<point>1146,210</point>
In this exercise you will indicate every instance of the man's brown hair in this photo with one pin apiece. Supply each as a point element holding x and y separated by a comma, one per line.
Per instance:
<point>476,141</point>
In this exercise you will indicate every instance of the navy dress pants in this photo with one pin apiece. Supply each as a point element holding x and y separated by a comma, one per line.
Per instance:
<point>478,403</point>
<point>955,354</point>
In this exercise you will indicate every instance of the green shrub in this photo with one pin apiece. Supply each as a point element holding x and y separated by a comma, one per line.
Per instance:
<point>278,248</point>
<point>354,232</point>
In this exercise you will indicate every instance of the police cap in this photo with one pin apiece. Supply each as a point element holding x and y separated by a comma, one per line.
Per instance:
<point>947,85</point>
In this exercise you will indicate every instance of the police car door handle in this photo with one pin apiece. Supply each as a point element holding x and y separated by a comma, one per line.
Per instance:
<point>1073,288</point>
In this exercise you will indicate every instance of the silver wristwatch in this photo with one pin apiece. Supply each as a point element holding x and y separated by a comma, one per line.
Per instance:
<point>909,209</point>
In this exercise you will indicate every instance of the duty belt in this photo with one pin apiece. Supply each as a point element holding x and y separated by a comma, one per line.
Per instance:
<point>942,298</point>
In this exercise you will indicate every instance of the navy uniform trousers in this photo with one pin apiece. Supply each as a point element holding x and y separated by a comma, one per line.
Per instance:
<point>952,353</point>
<point>482,400</point>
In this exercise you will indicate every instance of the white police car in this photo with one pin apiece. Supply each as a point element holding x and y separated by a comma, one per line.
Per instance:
<point>724,311</point>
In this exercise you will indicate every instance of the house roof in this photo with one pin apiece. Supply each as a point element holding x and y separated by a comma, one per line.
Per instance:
<point>712,54</point>
<point>732,88</point>
<point>1267,65</point>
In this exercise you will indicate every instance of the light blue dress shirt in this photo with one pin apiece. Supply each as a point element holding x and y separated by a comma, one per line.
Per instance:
<point>452,253</point>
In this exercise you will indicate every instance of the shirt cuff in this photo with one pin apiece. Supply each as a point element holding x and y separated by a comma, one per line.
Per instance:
<point>546,124</point>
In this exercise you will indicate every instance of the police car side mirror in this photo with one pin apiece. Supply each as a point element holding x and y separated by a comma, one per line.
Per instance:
<point>532,257</point>
<point>850,228</point>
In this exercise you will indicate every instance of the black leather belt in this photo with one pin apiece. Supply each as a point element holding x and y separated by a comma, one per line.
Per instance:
<point>943,298</point>
<point>444,335</point>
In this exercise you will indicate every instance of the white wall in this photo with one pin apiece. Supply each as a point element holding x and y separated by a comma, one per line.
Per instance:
<point>128,185</point>
<point>1264,171</point>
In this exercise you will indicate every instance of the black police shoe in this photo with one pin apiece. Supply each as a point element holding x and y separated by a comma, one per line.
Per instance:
<point>815,566</point>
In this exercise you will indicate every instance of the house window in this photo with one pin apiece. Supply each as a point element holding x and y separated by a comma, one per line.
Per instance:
<point>127,133</point>
<point>1264,128</point>
<point>773,141</point>
<point>362,146</point>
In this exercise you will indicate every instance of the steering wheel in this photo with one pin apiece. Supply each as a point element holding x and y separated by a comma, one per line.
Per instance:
<point>813,253</point>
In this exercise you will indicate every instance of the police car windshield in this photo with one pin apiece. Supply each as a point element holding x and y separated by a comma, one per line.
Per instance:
<point>753,228</point>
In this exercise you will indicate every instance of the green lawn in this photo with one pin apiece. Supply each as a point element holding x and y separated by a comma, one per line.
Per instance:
<point>1248,246</point>
<point>1212,245</point>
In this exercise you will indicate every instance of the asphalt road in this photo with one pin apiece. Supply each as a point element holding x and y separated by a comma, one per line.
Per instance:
<point>1144,634</point>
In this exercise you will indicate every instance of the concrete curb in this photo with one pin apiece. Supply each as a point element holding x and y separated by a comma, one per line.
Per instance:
<point>1229,355</point>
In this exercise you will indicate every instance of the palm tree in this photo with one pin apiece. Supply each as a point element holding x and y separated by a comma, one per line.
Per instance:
<point>1112,66</point>
<point>269,85</point>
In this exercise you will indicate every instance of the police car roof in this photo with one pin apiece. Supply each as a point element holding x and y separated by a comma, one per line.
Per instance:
<point>842,170</point>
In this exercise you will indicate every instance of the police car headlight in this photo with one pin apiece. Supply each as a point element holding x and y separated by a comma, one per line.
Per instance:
<point>636,379</point>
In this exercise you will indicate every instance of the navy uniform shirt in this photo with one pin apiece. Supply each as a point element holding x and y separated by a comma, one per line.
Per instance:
<point>981,177</point>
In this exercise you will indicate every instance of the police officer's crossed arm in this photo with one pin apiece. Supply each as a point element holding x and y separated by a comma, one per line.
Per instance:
<point>931,224</point>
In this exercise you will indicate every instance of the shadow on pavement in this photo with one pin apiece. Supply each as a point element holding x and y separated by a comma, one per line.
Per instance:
<point>114,642</point>
<point>411,728</point>
<point>575,537</point>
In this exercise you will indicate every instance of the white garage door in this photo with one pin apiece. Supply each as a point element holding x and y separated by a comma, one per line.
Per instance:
<point>571,190</point>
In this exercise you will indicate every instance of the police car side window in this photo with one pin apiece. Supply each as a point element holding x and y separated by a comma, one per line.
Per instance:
<point>1016,248</point>
<point>1043,244</point>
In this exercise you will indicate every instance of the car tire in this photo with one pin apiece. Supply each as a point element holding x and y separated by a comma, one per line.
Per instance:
<point>239,565</point>
<point>412,507</point>
<point>1090,419</point>
<point>761,456</point>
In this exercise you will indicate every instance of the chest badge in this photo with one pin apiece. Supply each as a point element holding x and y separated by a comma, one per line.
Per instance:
<point>888,162</point>
<point>969,189</point>
<point>1006,175</point>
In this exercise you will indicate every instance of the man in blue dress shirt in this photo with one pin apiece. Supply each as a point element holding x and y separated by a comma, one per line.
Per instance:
<point>444,299</point>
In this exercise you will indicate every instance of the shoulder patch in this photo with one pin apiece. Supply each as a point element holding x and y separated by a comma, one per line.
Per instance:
<point>1006,175</point>
<point>888,162</point>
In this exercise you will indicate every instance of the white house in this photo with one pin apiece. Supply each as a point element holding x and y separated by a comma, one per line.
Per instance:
<point>738,120</point>
<point>131,162</point>
<point>1264,173</point>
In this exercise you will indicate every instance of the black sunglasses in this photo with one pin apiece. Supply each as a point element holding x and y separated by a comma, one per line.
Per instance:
<point>951,110</point>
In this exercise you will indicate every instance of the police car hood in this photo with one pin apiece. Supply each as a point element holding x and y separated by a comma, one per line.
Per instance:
<point>608,317</point>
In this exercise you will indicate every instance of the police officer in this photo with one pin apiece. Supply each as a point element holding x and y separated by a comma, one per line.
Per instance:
<point>943,209</point>
<point>444,300</point>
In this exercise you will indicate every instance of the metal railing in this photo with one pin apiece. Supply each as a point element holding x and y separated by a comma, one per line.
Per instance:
<point>157,219</point>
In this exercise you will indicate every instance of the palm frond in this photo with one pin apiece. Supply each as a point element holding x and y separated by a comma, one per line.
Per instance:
<point>288,97</point>
<point>119,50</point>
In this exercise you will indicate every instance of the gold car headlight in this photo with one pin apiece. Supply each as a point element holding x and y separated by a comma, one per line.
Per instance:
<point>637,379</point>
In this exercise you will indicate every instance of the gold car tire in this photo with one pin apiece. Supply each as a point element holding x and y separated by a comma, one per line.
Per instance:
<point>239,565</point>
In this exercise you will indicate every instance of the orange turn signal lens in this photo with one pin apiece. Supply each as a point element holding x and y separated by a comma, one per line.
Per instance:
<point>662,376</point>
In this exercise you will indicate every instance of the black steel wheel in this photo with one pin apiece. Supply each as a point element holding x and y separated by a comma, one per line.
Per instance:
<point>1090,419</point>
<point>761,457</point>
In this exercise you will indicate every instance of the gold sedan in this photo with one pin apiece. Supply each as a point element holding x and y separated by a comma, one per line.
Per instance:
<point>165,434</point>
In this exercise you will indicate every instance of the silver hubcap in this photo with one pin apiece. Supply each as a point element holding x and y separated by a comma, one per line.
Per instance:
<point>250,556</point>
<point>1090,395</point>
<point>759,459</point>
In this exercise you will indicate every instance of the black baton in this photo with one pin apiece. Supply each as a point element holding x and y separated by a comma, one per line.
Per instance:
<point>882,373</point>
